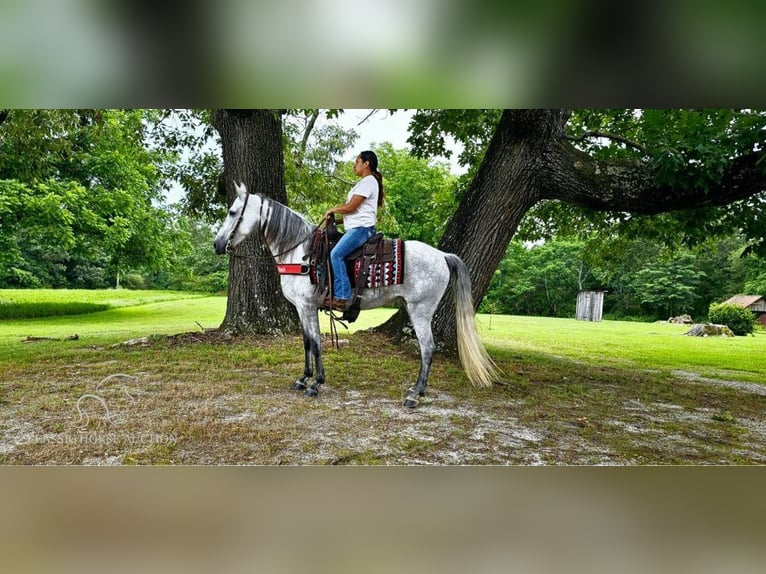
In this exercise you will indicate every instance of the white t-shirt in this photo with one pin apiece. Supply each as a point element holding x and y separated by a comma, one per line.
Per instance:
<point>366,214</point>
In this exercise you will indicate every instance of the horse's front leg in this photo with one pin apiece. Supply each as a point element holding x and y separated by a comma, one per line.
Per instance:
<point>316,353</point>
<point>312,348</point>
<point>308,371</point>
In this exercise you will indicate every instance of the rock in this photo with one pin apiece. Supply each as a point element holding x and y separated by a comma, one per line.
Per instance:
<point>681,320</point>
<point>133,342</point>
<point>709,330</point>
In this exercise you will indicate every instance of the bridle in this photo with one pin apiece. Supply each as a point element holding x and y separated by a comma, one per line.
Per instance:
<point>261,231</point>
<point>229,248</point>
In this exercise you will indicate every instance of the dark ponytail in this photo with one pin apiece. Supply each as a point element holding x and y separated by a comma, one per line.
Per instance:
<point>370,156</point>
<point>381,193</point>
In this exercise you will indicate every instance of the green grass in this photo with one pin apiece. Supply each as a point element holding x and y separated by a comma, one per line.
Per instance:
<point>111,297</point>
<point>131,314</point>
<point>652,346</point>
<point>24,310</point>
<point>44,303</point>
<point>128,314</point>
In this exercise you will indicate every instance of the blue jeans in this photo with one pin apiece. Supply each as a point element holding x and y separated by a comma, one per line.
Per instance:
<point>351,240</point>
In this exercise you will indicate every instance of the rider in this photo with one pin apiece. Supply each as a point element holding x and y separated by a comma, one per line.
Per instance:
<point>359,215</point>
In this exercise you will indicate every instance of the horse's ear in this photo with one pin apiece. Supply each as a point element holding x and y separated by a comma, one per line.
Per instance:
<point>241,190</point>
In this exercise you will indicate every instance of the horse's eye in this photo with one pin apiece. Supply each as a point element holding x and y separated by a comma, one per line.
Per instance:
<point>233,212</point>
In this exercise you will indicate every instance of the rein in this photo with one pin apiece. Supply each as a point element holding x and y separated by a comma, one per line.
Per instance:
<point>268,257</point>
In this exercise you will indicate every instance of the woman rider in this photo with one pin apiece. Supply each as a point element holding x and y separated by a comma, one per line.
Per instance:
<point>359,215</point>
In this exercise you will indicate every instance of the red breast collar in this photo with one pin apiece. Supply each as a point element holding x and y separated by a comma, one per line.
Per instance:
<point>292,269</point>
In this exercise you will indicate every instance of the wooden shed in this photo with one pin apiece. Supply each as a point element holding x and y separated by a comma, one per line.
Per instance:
<point>590,305</point>
<point>756,303</point>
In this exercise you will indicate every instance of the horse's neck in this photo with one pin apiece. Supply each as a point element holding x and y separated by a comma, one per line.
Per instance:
<point>278,244</point>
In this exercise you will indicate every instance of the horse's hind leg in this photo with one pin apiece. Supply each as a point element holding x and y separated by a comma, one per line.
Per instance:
<point>420,316</point>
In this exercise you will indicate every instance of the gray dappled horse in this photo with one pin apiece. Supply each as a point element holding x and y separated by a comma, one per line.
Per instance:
<point>288,236</point>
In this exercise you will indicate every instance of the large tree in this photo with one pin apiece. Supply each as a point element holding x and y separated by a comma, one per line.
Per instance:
<point>531,158</point>
<point>294,162</point>
<point>252,154</point>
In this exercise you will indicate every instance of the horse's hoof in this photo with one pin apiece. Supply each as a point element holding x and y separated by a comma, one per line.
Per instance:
<point>410,402</point>
<point>298,386</point>
<point>310,392</point>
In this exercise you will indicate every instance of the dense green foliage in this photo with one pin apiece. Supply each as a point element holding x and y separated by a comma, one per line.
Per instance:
<point>644,279</point>
<point>79,194</point>
<point>193,265</point>
<point>82,205</point>
<point>740,320</point>
<point>420,195</point>
<point>670,286</point>
<point>684,149</point>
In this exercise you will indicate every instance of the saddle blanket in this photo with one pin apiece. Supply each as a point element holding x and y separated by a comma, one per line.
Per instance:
<point>383,274</point>
<point>380,274</point>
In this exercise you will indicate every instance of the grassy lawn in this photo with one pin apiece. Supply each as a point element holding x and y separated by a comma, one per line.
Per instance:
<point>130,314</point>
<point>134,314</point>
<point>575,393</point>
<point>630,345</point>
<point>111,297</point>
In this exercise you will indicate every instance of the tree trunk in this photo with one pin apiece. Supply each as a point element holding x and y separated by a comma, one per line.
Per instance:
<point>252,154</point>
<point>506,186</point>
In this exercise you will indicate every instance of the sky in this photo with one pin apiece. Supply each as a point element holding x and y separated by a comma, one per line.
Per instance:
<point>382,126</point>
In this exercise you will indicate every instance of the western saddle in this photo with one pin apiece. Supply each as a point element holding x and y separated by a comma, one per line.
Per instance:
<point>376,250</point>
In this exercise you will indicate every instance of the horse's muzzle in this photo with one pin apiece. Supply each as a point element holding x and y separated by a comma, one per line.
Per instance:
<point>222,247</point>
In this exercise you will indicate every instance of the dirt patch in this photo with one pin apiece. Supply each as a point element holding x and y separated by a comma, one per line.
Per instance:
<point>204,398</point>
<point>738,385</point>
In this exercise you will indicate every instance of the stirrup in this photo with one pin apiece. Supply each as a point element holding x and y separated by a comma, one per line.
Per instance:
<point>330,304</point>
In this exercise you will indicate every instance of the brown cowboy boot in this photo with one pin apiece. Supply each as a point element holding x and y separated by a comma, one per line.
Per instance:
<point>334,304</point>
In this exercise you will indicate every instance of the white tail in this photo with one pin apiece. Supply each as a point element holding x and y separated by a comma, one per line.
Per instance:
<point>478,366</point>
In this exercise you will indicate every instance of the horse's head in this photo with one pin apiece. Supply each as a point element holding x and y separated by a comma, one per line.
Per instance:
<point>242,218</point>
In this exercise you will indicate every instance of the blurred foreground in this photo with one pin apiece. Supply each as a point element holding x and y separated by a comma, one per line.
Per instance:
<point>383,520</point>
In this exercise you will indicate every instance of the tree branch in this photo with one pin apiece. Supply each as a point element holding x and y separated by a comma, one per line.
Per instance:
<point>598,134</point>
<point>629,186</point>
<point>340,179</point>
<point>306,134</point>
<point>367,117</point>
